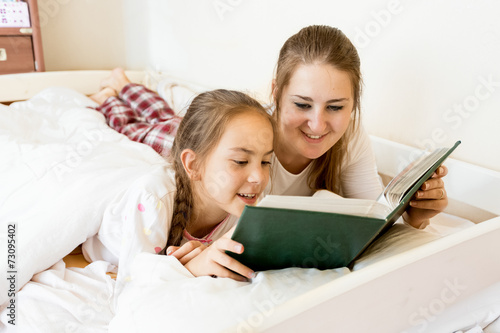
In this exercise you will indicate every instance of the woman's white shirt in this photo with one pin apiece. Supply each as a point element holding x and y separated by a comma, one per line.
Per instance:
<point>358,178</point>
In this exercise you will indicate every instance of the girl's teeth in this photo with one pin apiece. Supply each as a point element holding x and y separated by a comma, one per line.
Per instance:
<point>313,136</point>
<point>248,195</point>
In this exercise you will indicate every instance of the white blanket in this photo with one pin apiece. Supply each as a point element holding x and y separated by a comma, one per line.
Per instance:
<point>60,167</point>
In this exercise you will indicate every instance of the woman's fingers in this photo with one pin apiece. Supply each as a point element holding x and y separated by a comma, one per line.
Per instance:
<point>440,172</point>
<point>434,194</point>
<point>435,205</point>
<point>432,183</point>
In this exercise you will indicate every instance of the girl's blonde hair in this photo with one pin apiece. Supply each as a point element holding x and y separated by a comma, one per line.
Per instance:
<point>201,130</point>
<point>322,45</point>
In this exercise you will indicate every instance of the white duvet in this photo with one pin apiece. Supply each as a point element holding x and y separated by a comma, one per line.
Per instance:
<point>61,167</point>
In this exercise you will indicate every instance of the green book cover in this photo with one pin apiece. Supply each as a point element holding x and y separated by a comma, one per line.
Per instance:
<point>325,233</point>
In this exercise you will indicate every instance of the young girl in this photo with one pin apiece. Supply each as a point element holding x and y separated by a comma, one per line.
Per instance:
<point>321,145</point>
<point>220,162</point>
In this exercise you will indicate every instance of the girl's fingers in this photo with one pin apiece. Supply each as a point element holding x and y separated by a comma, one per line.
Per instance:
<point>223,272</point>
<point>180,252</point>
<point>226,244</point>
<point>185,259</point>
<point>231,264</point>
<point>171,249</point>
<point>220,257</point>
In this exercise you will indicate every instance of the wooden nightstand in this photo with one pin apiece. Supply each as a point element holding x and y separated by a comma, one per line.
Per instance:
<point>21,48</point>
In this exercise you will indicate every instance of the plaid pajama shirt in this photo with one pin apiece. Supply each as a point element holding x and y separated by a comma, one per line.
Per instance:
<point>143,116</point>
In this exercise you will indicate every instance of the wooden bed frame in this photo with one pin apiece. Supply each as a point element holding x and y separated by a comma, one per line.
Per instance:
<point>408,283</point>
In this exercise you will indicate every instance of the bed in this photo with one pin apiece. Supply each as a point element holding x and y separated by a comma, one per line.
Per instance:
<point>62,168</point>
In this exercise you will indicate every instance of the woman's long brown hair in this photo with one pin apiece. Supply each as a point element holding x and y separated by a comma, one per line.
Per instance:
<point>322,45</point>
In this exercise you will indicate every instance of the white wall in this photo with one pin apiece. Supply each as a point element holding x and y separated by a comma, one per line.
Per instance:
<point>430,67</point>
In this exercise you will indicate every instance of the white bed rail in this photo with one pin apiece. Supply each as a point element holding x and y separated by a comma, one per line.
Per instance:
<point>473,191</point>
<point>17,87</point>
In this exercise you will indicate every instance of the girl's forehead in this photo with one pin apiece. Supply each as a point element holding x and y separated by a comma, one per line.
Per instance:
<point>248,129</point>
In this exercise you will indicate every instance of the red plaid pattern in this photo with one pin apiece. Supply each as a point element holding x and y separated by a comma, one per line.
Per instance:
<point>143,116</point>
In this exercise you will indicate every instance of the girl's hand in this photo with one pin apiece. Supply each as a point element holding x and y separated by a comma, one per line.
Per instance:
<point>187,251</point>
<point>215,262</point>
<point>428,201</point>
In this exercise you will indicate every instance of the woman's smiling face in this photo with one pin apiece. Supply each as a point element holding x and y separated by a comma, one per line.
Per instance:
<point>316,108</point>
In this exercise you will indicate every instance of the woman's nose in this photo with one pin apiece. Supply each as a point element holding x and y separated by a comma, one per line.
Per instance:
<point>317,122</point>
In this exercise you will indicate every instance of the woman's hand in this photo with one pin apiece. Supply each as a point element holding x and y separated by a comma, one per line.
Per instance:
<point>428,201</point>
<point>215,262</point>
<point>187,251</point>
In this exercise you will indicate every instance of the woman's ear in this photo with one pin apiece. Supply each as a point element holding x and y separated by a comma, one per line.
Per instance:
<point>273,89</point>
<point>188,159</point>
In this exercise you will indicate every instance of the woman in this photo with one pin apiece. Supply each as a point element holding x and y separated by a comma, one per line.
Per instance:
<point>321,144</point>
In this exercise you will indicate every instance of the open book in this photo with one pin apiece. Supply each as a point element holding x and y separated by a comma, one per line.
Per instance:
<point>326,231</point>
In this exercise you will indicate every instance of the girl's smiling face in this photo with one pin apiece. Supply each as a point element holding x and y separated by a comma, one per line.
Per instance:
<point>237,170</point>
<point>316,108</point>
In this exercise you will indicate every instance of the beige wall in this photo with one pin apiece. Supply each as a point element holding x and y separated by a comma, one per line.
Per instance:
<point>92,34</point>
<point>430,68</point>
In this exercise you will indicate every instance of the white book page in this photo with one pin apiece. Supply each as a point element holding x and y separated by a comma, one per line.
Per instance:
<point>399,186</point>
<point>339,205</point>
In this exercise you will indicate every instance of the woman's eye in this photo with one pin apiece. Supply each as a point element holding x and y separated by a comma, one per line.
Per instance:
<point>238,162</point>
<point>302,105</point>
<point>335,107</point>
<point>266,163</point>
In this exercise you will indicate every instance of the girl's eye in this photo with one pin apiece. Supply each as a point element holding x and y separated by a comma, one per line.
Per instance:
<point>266,163</point>
<point>302,105</point>
<point>335,107</point>
<point>240,162</point>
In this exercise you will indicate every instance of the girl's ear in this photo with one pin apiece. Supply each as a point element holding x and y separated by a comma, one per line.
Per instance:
<point>188,159</point>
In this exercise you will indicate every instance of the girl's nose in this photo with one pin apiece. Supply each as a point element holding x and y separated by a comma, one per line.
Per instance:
<point>257,175</point>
